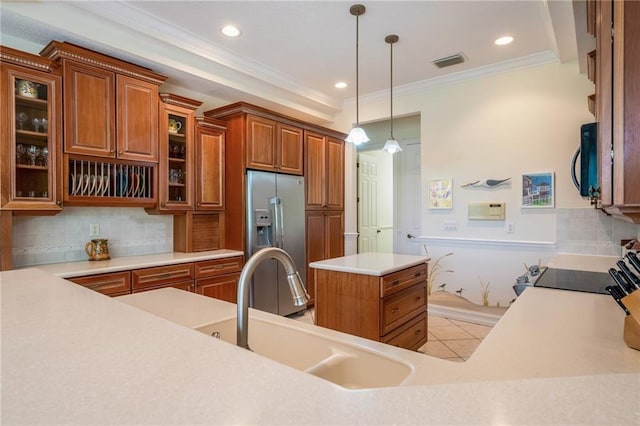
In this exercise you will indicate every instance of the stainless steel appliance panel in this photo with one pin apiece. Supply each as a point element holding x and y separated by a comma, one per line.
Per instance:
<point>275,217</point>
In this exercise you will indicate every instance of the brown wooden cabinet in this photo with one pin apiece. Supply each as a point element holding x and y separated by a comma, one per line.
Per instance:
<point>617,108</point>
<point>273,146</point>
<point>114,284</point>
<point>176,170</point>
<point>324,172</point>
<point>219,278</point>
<point>110,106</point>
<point>389,308</point>
<point>258,138</point>
<point>210,164</point>
<point>31,133</point>
<point>324,240</point>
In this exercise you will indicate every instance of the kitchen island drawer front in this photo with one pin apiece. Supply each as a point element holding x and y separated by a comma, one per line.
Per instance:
<point>186,285</point>
<point>114,284</point>
<point>156,277</point>
<point>209,268</point>
<point>400,280</point>
<point>411,336</point>
<point>398,309</point>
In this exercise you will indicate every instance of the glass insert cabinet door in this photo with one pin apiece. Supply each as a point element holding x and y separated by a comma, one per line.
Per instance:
<point>30,138</point>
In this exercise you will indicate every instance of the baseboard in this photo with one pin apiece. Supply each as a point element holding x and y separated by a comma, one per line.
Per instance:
<point>463,315</point>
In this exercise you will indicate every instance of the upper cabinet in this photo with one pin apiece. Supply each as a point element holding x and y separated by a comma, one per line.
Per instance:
<point>617,26</point>
<point>110,106</point>
<point>30,123</point>
<point>176,170</point>
<point>210,163</point>
<point>324,172</point>
<point>273,146</point>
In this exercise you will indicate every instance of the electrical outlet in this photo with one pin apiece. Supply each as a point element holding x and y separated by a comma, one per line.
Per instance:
<point>509,226</point>
<point>94,230</point>
<point>450,225</point>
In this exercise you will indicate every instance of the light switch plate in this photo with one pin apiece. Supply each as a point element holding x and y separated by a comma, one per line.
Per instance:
<point>94,230</point>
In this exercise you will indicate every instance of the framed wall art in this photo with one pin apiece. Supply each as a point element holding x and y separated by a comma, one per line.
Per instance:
<point>441,194</point>
<point>538,190</point>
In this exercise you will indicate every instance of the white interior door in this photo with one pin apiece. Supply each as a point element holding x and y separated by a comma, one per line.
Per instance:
<point>368,203</point>
<point>407,196</point>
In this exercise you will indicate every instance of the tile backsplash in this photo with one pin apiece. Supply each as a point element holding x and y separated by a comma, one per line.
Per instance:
<point>590,231</point>
<point>61,238</point>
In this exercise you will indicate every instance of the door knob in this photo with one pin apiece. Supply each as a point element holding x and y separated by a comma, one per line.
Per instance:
<point>378,231</point>
<point>410,236</point>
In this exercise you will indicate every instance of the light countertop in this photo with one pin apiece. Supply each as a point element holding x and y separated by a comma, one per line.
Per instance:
<point>579,262</point>
<point>78,269</point>
<point>74,356</point>
<point>376,264</point>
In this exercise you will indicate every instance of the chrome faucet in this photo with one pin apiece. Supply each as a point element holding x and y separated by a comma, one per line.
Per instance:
<point>300,296</point>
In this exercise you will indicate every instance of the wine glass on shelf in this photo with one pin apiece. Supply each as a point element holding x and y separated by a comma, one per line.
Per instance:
<point>45,125</point>
<point>20,152</point>
<point>36,124</point>
<point>34,152</point>
<point>44,156</point>
<point>21,118</point>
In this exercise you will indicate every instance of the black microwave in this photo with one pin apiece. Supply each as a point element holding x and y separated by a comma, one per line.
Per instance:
<point>587,182</point>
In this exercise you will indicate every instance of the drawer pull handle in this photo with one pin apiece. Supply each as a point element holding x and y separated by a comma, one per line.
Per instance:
<point>396,282</point>
<point>418,298</point>
<point>395,310</point>
<point>417,274</point>
<point>417,332</point>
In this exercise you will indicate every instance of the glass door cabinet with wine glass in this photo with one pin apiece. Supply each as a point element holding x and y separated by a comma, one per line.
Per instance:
<point>31,133</point>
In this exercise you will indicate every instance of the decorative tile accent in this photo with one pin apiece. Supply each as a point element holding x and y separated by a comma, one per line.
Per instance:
<point>61,238</point>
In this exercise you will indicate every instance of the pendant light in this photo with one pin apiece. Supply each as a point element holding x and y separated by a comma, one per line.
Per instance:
<point>391,146</point>
<point>357,134</point>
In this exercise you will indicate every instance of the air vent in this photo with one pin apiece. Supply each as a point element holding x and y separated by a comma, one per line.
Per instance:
<point>458,58</point>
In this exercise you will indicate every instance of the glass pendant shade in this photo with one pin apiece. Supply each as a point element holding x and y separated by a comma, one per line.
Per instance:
<point>357,136</point>
<point>392,146</point>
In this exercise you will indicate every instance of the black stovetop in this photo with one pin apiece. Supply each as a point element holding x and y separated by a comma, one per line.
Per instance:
<point>567,279</point>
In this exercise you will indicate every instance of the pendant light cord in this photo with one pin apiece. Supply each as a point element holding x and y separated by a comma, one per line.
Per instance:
<point>391,88</point>
<point>357,70</point>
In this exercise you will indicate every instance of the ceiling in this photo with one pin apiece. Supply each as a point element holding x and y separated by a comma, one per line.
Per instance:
<point>291,53</point>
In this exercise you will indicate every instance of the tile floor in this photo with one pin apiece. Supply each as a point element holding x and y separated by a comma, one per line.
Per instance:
<point>448,339</point>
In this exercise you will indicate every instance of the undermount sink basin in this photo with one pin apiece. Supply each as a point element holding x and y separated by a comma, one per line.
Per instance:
<point>341,363</point>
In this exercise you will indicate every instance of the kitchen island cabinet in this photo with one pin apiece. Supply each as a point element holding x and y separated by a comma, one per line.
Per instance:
<point>378,296</point>
<point>531,369</point>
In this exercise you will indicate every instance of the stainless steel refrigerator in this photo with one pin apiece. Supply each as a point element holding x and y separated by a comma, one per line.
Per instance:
<point>275,218</point>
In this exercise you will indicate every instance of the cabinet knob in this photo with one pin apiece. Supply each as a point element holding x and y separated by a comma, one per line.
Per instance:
<point>112,151</point>
<point>163,204</point>
<point>59,203</point>
<point>395,310</point>
<point>199,204</point>
<point>120,152</point>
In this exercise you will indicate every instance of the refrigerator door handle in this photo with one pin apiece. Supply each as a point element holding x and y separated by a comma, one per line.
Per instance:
<point>277,221</point>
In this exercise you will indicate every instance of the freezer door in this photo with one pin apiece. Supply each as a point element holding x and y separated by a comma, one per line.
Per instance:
<point>290,235</point>
<point>261,187</point>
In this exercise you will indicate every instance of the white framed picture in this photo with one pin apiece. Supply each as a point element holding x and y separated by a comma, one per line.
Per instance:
<point>441,194</point>
<point>538,190</point>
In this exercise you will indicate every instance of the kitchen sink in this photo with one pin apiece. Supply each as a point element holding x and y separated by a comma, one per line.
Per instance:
<point>344,364</point>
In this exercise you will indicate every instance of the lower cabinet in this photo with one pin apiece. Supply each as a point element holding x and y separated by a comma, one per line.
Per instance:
<point>114,284</point>
<point>391,308</point>
<point>216,278</point>
<point>324,240</point>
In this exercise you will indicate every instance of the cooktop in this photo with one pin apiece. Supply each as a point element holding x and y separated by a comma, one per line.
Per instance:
<point>568,279</point>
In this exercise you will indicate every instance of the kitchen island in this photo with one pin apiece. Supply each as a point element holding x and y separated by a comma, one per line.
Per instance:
<point>74,356</point>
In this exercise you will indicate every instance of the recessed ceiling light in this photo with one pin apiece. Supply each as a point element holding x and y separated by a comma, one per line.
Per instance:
<point>503,40</point>
<point>231,31</point>
<point>340,85</point>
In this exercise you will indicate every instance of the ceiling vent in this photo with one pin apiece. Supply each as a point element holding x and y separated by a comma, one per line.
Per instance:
<point>458,58</point>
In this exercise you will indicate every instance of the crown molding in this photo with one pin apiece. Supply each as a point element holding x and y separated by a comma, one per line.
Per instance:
<point>523,62</point>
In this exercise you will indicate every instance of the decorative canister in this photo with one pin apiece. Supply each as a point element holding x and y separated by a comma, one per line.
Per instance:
<point>27,89</point>
<point>98,249</point>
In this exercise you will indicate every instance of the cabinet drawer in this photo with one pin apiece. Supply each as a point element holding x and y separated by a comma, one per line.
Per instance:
<point>410,336</point>
<point>402,306</point>
<point>400,280</point>
<point>114,284</point>
<point>209,268</point>
<point>186,285</point>
<point>156,277</point>
<point>224,287</point>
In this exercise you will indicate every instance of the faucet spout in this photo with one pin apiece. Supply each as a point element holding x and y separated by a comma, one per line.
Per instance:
<point>298,292</point>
